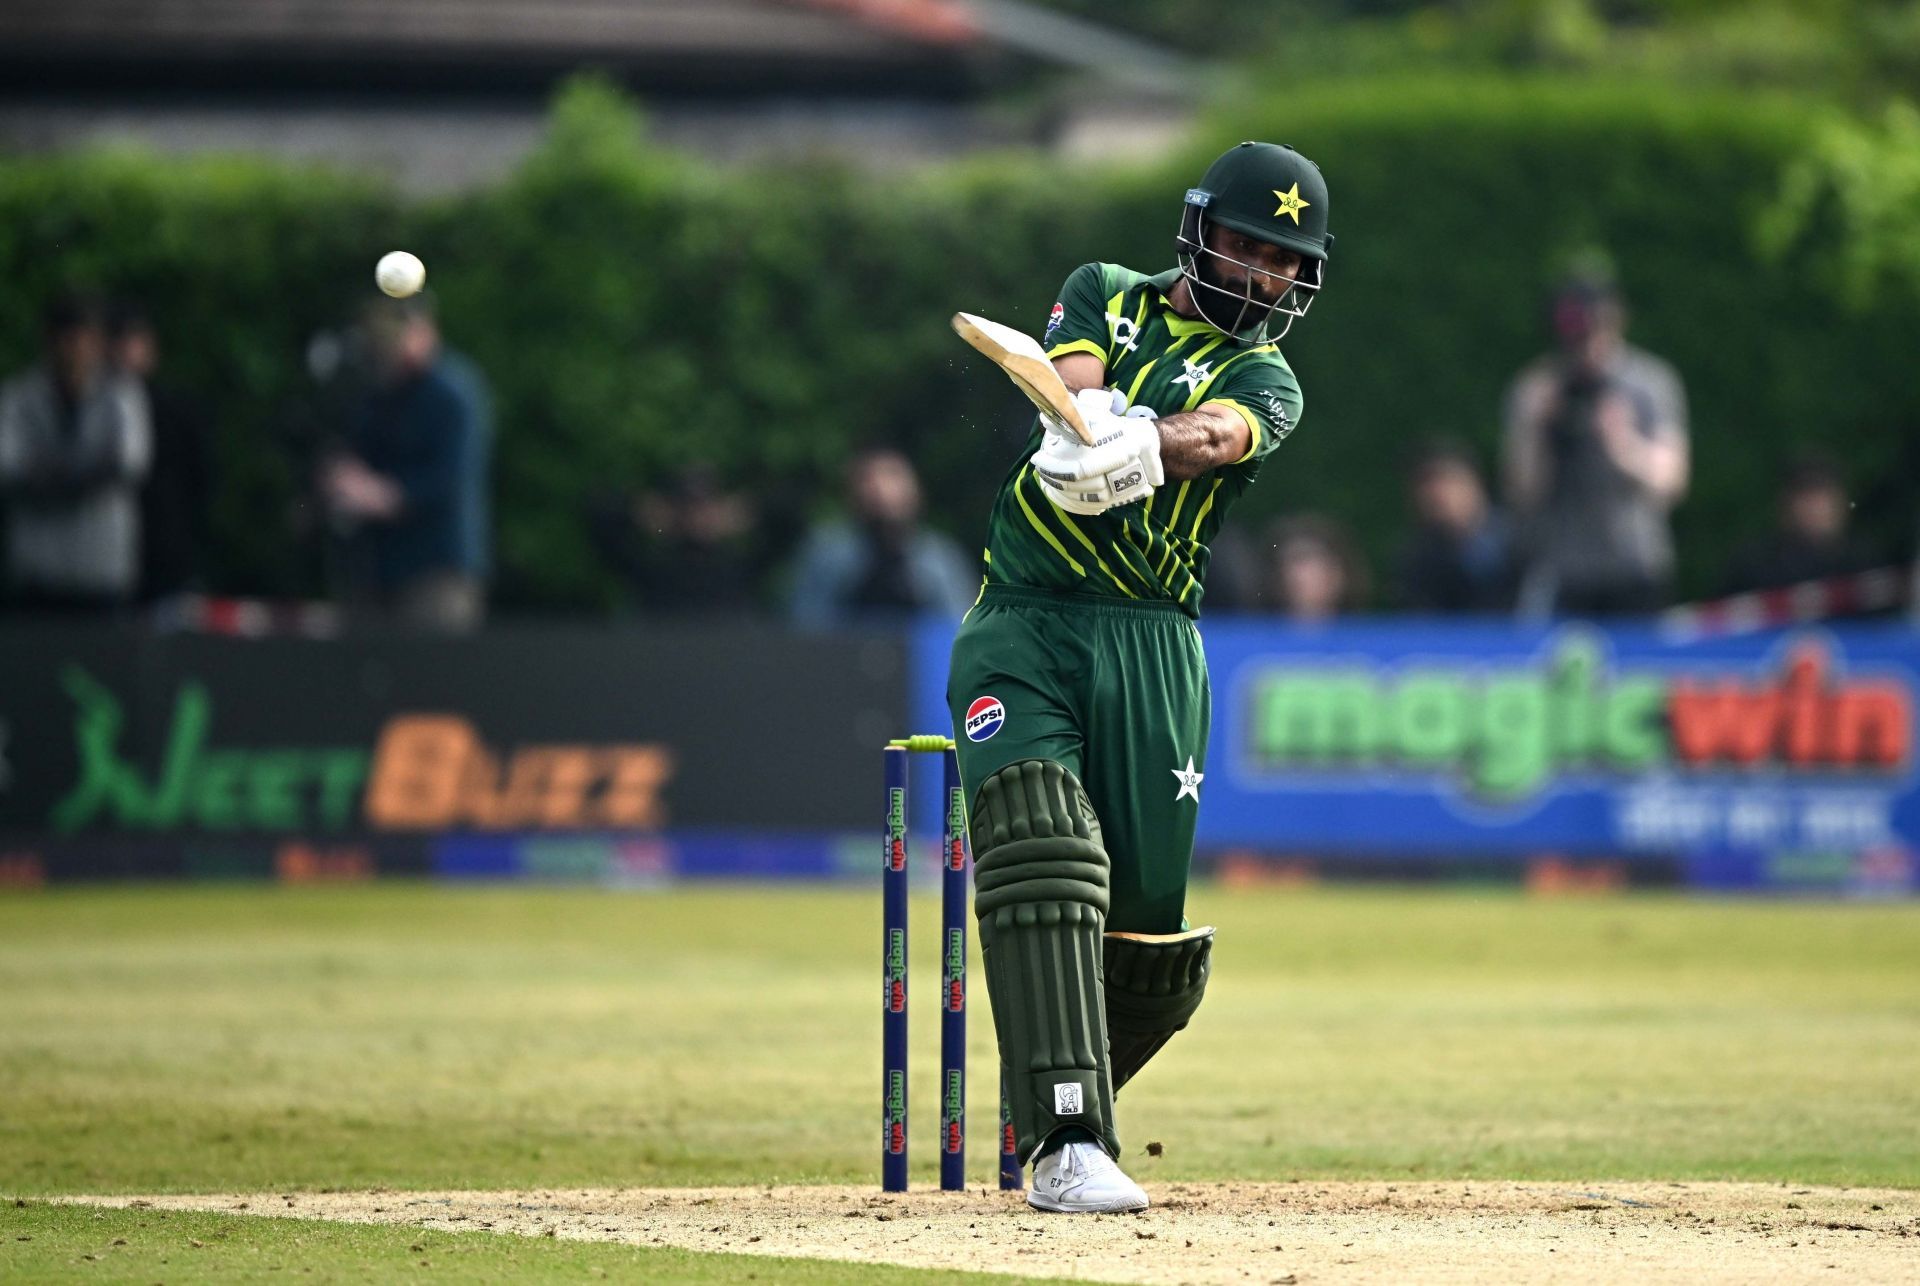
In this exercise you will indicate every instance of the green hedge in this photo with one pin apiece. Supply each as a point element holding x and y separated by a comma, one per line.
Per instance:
<point>239,262</point>
<point>634,310</point>
<point>1454,202</point>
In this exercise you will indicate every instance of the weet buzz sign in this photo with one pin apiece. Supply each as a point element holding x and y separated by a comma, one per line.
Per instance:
<point>1775,761</point>
<point>526,752</point>
<point>425,772</point>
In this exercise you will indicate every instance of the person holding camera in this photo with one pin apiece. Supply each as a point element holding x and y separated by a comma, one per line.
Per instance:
<point>1596,456</point>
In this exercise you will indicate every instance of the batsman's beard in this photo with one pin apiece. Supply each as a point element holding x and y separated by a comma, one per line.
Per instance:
<point>1225,306</point>
<point>1231,308</point>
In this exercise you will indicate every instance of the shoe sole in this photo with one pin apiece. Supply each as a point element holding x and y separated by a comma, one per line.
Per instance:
<point>1039,1202</point>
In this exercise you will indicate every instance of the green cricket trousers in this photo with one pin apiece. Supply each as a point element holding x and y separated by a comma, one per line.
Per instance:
<point>1113,689</point>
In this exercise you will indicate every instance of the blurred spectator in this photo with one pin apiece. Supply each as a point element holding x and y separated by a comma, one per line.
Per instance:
<point>1596,456</point>
<point>411,490</point>
<point>1313,571</point>
<point>1890,494</point>
<point>1809,540</point>
<point>1460,558</point>
<point>879,562</point>
<point>1234,572</point>
<point>689,548</point>
<point>75,442</point>
<point>175,500</point>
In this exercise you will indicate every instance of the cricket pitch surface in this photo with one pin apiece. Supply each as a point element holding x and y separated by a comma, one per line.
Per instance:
<point>1205,1233</point>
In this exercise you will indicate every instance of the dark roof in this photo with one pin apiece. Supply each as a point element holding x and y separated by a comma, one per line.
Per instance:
<point>720,46</point>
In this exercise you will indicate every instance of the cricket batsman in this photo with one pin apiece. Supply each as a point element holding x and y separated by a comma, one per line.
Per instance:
<point>1078,688</point>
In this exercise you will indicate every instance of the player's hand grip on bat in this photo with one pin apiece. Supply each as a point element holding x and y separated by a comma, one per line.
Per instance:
<point>1122,465</point>
<point>1150,443</point>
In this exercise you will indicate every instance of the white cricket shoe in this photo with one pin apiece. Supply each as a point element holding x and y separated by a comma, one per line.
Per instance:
<point>1081,1178</point>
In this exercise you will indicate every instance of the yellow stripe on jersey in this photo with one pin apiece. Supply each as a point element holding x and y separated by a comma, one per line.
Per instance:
<point>1019,493</point>
<point>1193,583</point>
<point>1204,508</point>
<point>1183,326</point>
<point>1133,390</point>
<point>1199,353</point>
<point>1073,528</point>
<point>1179,563</point>
<point>1190,362</point>
<point>1113,310</point>
<point>1145,553</point>
<point>1132,536</point>
<point>1143,542</point>
<point>1200,389</point>
<point>1077,346</point>
<point>1253,424</point>
<point>1169,535</point>
<point>1160,570</point>
<point>1127,555</point>
<point>1180,498</point>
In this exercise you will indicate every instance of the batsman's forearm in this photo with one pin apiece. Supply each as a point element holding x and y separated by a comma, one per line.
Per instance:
<point>1080,371</point>
<point>1200,441</point>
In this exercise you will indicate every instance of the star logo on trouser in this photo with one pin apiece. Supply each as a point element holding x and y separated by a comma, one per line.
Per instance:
<point>1189,782</point>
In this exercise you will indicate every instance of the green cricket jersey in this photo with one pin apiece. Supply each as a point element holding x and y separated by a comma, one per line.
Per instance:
<point>1155,549</point>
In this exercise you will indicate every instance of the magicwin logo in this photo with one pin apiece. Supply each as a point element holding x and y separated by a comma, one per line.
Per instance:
<point>1507,731</point>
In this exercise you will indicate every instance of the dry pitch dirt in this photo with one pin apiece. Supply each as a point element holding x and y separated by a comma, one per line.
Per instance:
<point>1304,1232</point>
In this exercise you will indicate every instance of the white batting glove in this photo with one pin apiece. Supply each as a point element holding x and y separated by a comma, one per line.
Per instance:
<point>1065,458</point>
<point>1149,444</point>
<point>1117,439</point>
<point>1091,497</point>
<point>1122,465</point>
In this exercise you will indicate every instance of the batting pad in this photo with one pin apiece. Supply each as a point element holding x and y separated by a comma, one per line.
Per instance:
<point>1154,983</point>
<point>1040,891</point>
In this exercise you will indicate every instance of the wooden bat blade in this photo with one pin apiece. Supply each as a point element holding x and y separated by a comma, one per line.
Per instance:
<point>1025,363</point>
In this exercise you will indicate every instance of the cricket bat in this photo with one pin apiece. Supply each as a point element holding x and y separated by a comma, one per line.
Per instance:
<point>1025,363</point>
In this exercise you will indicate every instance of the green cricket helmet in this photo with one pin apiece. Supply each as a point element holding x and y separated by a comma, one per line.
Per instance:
<point>1273,194</point>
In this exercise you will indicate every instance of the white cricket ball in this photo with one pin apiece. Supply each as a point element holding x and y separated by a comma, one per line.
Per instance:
<point>400,274</point>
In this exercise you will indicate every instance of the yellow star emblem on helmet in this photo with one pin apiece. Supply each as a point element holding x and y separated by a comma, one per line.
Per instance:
<point>1290,203</point>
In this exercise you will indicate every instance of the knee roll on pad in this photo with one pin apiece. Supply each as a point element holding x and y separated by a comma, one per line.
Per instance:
<point>1040,892</point>
<point>1154,983</point>
<point>1036,840</point>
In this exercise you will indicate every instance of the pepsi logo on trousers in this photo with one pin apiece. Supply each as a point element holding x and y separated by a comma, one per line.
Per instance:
<point>984,718</point>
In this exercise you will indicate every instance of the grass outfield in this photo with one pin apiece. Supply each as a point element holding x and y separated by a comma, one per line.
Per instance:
<point>50,1243</point>
<point>223,1039</point>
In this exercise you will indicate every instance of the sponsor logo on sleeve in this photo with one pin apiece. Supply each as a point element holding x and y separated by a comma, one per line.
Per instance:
<point>984,718</point>
<point>1054,318</point>
<point>1276,411</point>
